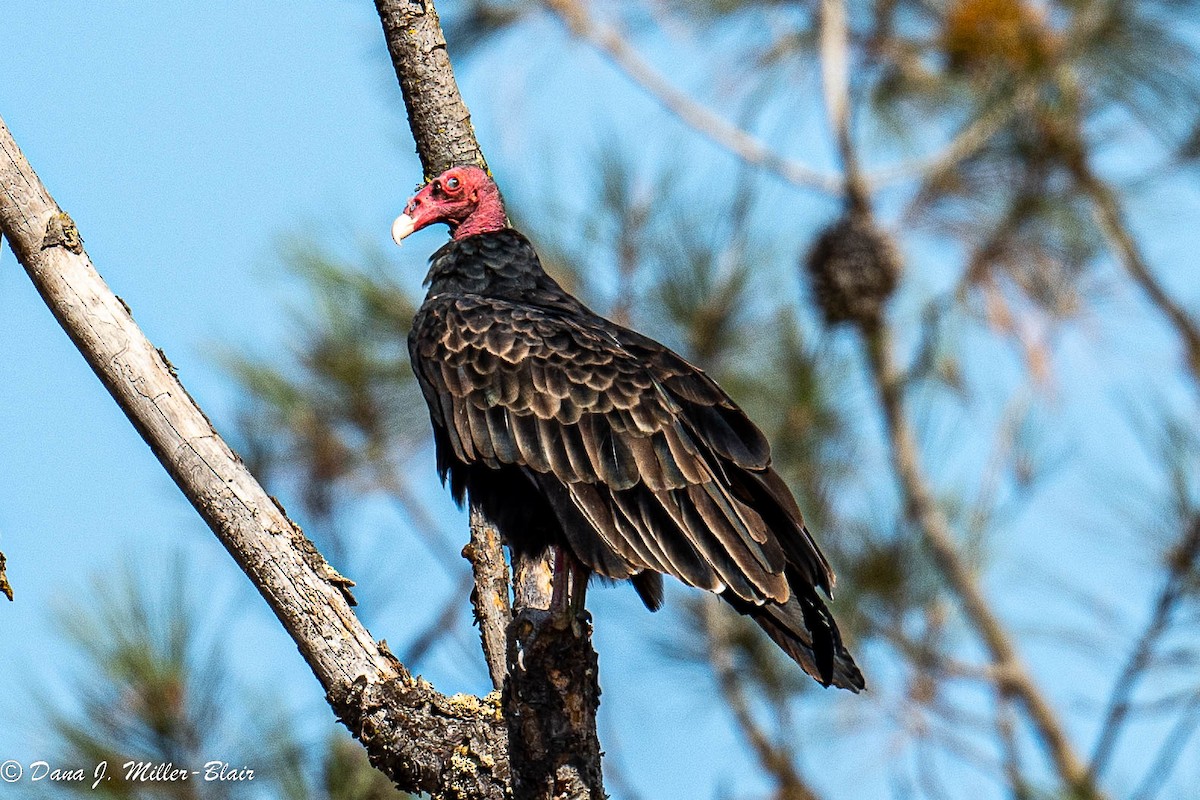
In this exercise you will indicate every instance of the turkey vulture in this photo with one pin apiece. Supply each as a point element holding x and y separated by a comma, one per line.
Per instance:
<point>568,429</point>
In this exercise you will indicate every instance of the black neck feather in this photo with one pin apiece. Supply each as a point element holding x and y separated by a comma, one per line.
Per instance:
<point>500,264</point>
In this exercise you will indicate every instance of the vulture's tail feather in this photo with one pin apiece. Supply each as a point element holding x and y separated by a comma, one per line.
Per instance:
<point>804,629</point>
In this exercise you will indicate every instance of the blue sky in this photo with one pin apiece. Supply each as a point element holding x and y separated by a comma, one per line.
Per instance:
<point>187,141</point>
<point>184,142</point>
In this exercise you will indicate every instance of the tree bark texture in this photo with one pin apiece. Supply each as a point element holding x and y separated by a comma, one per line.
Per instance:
<point>448,747</point>
<point>440,122</point>
<point>553,688</point>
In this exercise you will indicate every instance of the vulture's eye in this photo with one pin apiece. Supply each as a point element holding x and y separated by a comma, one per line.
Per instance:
<point>452,183</point>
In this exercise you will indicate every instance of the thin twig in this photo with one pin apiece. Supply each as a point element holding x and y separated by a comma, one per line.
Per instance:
<point>427,530</point>
<point>749,148</point>
<point>1111,219</point>
<point>1181,564</point>
<point>925,657</point>
<point>490,597</point>
<point>1172,748</point>
<point>1012,675</point>
<point>1006,731</point>
<point>968,141</point>
<point>442,624</point>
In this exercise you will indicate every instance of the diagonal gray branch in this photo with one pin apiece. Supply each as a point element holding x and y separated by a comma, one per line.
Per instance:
<point>423,740</point>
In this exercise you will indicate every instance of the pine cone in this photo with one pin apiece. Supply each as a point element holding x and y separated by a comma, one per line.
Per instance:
<point>854,268</point>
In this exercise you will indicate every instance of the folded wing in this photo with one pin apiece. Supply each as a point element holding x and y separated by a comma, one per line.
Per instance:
<point>646,463</point>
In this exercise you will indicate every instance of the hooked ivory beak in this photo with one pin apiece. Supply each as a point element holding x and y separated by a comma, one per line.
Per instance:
<point>402,227</point>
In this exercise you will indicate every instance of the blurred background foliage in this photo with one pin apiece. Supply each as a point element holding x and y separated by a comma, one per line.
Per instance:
<point>967,255</point>
<point>153,685</point>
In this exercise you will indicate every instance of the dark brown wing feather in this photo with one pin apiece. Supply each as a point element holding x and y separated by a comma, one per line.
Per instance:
<point>645,463</point>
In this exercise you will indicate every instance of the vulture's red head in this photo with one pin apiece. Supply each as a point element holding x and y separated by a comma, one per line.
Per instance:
<point>465,198</point>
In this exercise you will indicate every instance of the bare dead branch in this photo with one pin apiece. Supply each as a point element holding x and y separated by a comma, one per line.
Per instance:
<point>1180,566</point>
<point>440,122</point>
<point>612,43</point>
<point>423,740</point>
